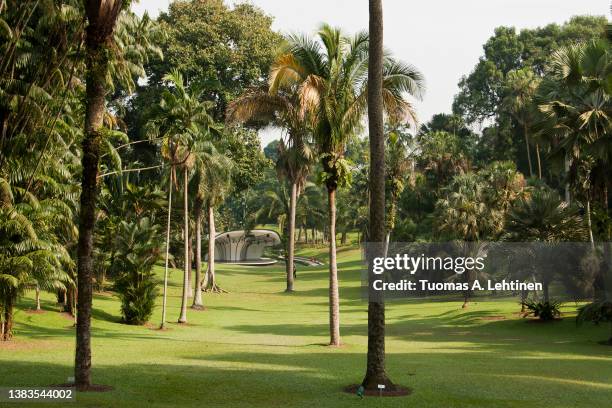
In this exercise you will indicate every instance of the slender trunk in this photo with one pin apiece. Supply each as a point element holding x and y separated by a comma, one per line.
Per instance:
<point>98,40</point>
<point>539,161</point>
<point>299,235</point>
<point>210,281</point>
<point>197,300</point>
<point>343,237</point>
<point>37,297</point>
<point>525,132</point>
<point>183,317</point>
<point>567,163</point>
<point>189,267</point>
<point>165,298</point>
<point>7,318</point>
<point>546,293</point>
<point>375,367</point>
<point>291,238</point>
<point>588,214</point>
<point>334,298</point>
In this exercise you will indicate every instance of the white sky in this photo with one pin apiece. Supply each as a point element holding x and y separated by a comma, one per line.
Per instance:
<point>442,38</point>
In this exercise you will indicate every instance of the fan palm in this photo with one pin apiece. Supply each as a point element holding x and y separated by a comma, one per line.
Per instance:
<point>331,75</point>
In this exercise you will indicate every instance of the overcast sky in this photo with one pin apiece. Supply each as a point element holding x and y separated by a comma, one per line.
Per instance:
<point>442,38</point>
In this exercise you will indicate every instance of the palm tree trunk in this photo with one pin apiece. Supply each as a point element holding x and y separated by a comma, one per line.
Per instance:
<point>525,132</point>
<point>165,298</point>
<point>539,161</point>
<point>588,214</point>
<point>6,333</point>
<point>334,297</point>
<point>102,16</point>
<point>567,163</point>
<point>197,300</point>
<point>210,281</point>
<point>189,268</point>
<point>375,367</point>
<point>37,297</point>
<point>183,317</point>
<point>291,238</point>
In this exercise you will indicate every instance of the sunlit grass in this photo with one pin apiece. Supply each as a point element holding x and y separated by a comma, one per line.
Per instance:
<point>257,346</point>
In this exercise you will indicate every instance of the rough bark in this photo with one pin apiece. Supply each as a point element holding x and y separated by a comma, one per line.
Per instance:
<point>334,297</point>
<point>183,317</point>
<point>102,16</point>
<point>165,298</point>
<point>375,367</point>
<point>197,300</point>
<point>6,331</point>
<point>291,238</point>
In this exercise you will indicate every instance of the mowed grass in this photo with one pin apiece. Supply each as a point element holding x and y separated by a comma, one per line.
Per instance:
<point>259,347</point>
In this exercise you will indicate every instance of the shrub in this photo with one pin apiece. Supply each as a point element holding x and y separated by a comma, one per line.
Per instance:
<point>596,312</point>
<point>543,310</point>
<point>138,248</point>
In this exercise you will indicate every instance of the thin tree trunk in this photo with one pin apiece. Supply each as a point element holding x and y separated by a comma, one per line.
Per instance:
<point>102,16</point>
<point>7,319</point>
<point>183,317</point>
<point>189,268</point>
<point>334,297</point>
<point>165,298</point>
<point>291,238</point>
<point>37,297</point>
<point>211,284</point>
<point>567,163</point>
<point>539,161</point>
<point>375,367</point>
<point>197,300</point>
<point>299,235</point>
<point>525,132</point>
<point>588,213</point>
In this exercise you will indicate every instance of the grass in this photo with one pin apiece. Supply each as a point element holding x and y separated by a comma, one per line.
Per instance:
<point>259,347</point>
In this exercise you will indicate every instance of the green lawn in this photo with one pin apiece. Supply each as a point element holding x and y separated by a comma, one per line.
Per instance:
<point>259,347</point>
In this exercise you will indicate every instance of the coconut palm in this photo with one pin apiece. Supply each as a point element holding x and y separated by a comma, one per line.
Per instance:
<point>331,73</point>
<point>521,87</point>
<point>181,118</point>
<point>213,175</point>
<point>282,107</point>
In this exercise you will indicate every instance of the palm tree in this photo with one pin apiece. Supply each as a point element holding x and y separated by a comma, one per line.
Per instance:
<point>543,217</point>
<point>282,107</point>
<point>375,367</point>
<point>521,87</point>
<point>102,16</point>
<point>331,75</point>
<point>213,180</point>
<point>181,118</point>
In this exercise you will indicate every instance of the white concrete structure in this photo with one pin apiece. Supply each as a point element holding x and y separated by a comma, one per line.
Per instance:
<point>245,247</point>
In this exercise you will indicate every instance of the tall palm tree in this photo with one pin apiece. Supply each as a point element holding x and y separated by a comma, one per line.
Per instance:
<point>282,107</point>
<point>521,87</point>
<point>182,116</point>
<point>375,367</point>
<point>331,74</point>
<point>213,181</point>
<point>101,16</point>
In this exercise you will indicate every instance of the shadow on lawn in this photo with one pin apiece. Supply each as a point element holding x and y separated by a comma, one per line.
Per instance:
<point>257,379</point>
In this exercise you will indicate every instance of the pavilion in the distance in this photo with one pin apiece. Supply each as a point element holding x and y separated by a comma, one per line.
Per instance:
<point>245,247</point>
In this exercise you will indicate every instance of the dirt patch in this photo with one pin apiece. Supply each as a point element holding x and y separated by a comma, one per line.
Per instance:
<point>67,315</point>
<point>34,311</point>
<point>17,345</point>
<point>540,321</point>
<point>493,318</point>
<point>399,391</point>
<point>89,388</point>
